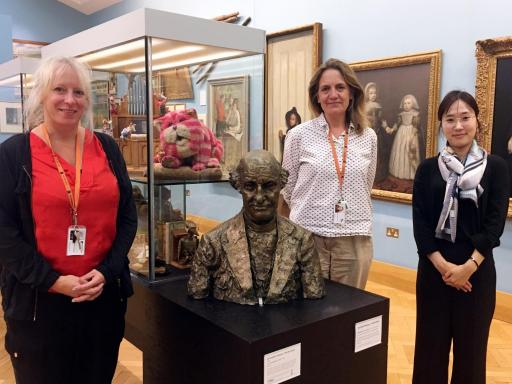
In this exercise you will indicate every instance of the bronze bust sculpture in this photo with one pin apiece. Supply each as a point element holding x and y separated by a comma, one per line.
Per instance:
<point>257,256</point>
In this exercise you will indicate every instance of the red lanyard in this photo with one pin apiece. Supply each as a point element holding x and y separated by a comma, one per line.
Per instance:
<point>73,200</point>
<point>340,173</point>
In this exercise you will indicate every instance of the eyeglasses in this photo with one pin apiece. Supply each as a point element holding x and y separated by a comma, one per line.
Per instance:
<point>451,122</point>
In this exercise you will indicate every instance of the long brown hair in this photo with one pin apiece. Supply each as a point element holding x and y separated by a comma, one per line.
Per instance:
<point>356,110</point>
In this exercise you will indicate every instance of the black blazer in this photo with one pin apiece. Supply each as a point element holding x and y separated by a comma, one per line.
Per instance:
<point>483,226</point>
<point>24,270</point>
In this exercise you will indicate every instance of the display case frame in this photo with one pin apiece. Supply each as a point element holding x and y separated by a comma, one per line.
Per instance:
<point>14,74</point>
<point>147,27</point>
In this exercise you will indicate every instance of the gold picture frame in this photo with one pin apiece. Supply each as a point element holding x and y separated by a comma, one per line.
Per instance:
<point>293,55</point>
<point>493,95</point>
<point>403,114</point>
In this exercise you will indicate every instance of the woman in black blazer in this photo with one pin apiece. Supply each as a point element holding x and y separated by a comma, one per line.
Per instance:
<point>460,202</point>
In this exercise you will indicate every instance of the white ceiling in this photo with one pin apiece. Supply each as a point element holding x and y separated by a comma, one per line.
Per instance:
<point>89,6</point>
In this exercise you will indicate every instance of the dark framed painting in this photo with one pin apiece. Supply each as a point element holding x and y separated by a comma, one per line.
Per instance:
<point>494,98</point>
<point>401,95</point>
<point>228,116</point>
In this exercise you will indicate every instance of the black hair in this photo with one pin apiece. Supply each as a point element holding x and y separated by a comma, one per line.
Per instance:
<point>288,115</point>
<point>451,97</point>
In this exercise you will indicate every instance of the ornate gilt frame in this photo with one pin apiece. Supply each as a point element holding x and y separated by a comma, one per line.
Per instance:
<point>487,54</point>
<point>315,30</point>
<point>434,58</point>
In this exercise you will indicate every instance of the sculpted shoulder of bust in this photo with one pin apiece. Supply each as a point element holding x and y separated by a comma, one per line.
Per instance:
<point>257,256</point>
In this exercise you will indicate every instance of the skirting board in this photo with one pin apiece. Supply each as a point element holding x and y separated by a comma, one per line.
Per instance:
<point>391,275</point>
<point>405,279</point>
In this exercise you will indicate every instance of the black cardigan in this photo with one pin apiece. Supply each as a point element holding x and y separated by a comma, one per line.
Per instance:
<point>482,226</point>
<point>24,270</point>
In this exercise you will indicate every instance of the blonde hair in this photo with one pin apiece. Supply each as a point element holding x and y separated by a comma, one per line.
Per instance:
<point>44,78</point>
<point>415,104</point>
<point>356,110</point>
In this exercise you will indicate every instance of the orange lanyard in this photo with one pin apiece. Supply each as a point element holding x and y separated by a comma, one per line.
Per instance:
<point>73,200</point>
<point>340,173</point>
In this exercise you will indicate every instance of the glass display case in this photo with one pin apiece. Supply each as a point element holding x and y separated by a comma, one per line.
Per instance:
<point>15,85</point>
<point>183,98</point>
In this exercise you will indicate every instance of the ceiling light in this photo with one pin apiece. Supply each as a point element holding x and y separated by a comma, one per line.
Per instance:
<point>133,46</point>
<point>195,60</point>
<point>14,81</point>
<point>156,56</point>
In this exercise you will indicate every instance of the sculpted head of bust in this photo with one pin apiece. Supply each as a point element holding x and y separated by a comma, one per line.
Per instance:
<point>259,178</point>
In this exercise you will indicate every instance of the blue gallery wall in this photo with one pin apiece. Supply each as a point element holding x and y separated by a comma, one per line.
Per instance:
<point>5,35</point>
<point>198,8</point>
<point>43,20</point>
<point>353,31</point>
<point>5,49</point>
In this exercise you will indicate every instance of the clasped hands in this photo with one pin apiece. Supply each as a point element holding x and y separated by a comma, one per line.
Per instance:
<point>456,276</point>
<point>80,288</point>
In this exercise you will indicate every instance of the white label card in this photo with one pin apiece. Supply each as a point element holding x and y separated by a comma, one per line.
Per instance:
<point>75,243</point>
<point>281,365</point>
<point>368,333</point>
<point>340,211</point>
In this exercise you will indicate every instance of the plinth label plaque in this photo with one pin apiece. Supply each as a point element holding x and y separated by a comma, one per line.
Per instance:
<point>281,365</point>
<point>368,333</point>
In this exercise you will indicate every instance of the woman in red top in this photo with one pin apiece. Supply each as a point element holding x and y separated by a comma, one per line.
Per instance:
<point>71,257</point>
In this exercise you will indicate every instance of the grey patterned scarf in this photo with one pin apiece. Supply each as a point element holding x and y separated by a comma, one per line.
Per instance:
<point>462,181</point>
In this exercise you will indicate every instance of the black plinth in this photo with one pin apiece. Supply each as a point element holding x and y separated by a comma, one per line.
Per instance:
<point>209,341</point>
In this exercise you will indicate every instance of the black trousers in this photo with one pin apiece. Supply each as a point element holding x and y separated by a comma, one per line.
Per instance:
<point>68,342</point>
<point>445,314</point>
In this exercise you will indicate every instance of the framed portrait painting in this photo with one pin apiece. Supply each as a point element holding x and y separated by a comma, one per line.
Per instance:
<point>11,118</point>
<point>293,55</point>
<point>228,116</point>
<point>401,95</point>
<point>494,98</point>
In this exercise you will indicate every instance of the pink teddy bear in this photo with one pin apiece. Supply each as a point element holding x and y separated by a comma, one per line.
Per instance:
<point>185,141</point>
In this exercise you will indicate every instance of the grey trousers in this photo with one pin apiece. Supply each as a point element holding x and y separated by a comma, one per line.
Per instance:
<point>345,259</point>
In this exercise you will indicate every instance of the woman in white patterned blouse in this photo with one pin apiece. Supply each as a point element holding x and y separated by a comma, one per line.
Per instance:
<point>332,161</point>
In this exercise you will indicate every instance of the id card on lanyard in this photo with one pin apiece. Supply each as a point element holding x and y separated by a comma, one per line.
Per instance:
<point>340,206</point>
<point>75,236</point>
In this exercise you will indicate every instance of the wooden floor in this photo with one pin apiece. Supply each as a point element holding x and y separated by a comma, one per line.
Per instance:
<point>401,346</point>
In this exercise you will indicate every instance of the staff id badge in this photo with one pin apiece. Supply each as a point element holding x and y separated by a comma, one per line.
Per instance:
<point>340,211</point>
<point>76,241</point>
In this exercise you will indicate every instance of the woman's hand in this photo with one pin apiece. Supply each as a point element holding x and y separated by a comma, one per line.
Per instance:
<point>65,285</point>
<point>458,276</point>
<point>447,269</point>
<point>90,286</point>
<point>440,262</point>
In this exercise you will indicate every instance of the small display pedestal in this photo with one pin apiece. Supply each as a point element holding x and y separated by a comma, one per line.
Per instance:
<point>210,341</point>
